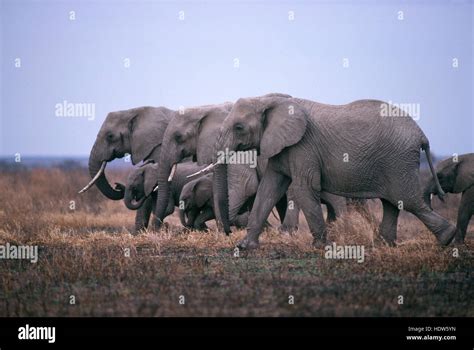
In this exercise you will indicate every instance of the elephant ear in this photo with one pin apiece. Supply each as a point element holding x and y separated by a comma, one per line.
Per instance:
<point>202,191</point>
<point>147,128</point>
<point>208,130</point>
<point>464,173</point>
<point>284,124</point>
<point>150,178</point>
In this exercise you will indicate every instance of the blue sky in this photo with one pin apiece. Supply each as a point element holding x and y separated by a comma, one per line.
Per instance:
<point>188,62</point>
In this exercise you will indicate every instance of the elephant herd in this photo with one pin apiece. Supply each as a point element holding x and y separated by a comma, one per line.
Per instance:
<point>304,154</point>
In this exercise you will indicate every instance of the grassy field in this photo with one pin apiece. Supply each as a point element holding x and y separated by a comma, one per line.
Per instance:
<point>86,251</point>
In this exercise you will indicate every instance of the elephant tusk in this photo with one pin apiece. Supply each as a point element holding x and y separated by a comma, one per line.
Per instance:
<point>95,178</point>
<point>156,188</point>
<point>173,170</point>
<point>205,170</point>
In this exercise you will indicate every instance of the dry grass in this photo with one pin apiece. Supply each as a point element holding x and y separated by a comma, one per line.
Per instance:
<point>83,253</point>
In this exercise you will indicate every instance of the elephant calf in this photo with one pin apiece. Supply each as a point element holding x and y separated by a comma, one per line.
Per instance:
<point>196,203</point>
<point>456,175</point>
<point>141,184</point>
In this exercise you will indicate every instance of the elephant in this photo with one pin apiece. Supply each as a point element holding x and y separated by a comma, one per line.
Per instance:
<point>142,182</point>
<point>196,203</point>
<point>193,132</point>
<point>350,150</point>
<point>455,175</point>
<point>138,132</point>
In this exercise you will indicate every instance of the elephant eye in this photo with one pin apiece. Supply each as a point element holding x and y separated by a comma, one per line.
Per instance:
<point>110,137</point>
<point>178,137</point>
<point>238,127</point>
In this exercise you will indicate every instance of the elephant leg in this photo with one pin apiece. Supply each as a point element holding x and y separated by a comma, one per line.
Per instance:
<point>388,226</point>
<point>410,197</point>
<point>191,217</point>
<point>241,221</point>
<point>205,215</point>
<point>142,217</point>
<point>236,202</point>
<point>310,202</point>
<point>290,223</point>
<point>439,226</point>
<point>335,205</point>
<point>332,216</point>
<point>272,187</point>
<point>281,208</point>
<point>466,209</point>
<point>331,213</point>
<point>169,208</point>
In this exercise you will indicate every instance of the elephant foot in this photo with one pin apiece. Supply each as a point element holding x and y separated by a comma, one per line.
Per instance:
<point>267,225</point>
<point>248,244</point>
<point>446,236</point>
<point>458,238</point>
<point>158,225</point>
<point>319,243</point>
<point>138,229</point>
<point>459,241</point>
<point>386,242</point>
<point>285,229</point>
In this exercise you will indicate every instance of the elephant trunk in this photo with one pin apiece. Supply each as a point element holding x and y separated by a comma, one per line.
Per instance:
<point>163,193</point>
<point>130,202</point>
<point>95,165</point>
<point>221,196</point>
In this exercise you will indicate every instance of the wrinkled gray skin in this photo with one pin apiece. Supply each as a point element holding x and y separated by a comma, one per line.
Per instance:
<point>138,132</point>
<point>307,144</point>
<point>196,203</point>
<point>193,132</point>
<point>143,180</point>
<point>455,177</point>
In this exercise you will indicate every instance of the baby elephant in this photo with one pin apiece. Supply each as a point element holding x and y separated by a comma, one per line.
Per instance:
<point>196,204</point>
<point>456,175</point>
<point>141,184</point>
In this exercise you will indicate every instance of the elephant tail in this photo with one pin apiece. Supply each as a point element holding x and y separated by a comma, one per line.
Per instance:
<point>425,146</point>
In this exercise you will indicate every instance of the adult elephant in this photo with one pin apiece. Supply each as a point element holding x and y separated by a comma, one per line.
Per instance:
<point>138,132</point>
<point>192,133</point>
<point>348,150</point>
<point>455,175</point>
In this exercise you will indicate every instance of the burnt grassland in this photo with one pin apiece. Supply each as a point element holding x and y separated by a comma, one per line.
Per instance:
<point>88,252</point>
